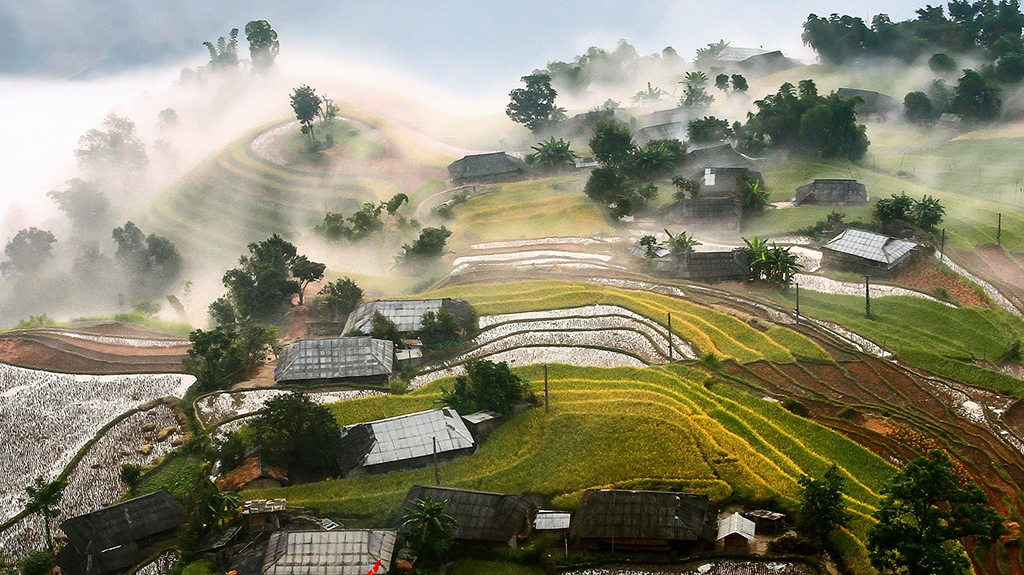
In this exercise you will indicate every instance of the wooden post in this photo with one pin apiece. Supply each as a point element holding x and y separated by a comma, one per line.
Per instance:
<point>546,403</point>
<point>670,337</point>
<point>942,248</point>
<point>999,230</point>
<point>797,304</point>
<point>867,297</point>
<point>437,471</point>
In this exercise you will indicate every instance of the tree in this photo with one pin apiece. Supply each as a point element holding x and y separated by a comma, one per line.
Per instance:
<point>917,108</point>
<point>928,213</point>
<point>896,207</point>
<point>228,354</point>
<point>612,143</point>
<point>942,63</point>
<point>750,195</point>
<point>306,272</point>
<point>37,563</point>
<point>686,188</point>
<point>681,243</point>
<point>294,430</point>
<point>340,297</point>
<point>653,159</point>
<point>381,327</point>
<point>396,202</point>
<point>534,106</point>
<point>822,509</point>
<point>648,97</point>
<point>486,385</point>
<point>261,288</point>
<point>770,263</point>
<point>975,98</point>
<point>1009,68</point>
<point>224,55</point>
<point>168,118</point>
<point>605,184</point>
<point>306,105</point>
<point>552,155</point>
<point>115,151</point>
<point>440,327</point>
<point>695,95</point>
<point>708,129</point>
<point>428,529</point>
<point>263,44</point>
<point>150,263</point>
<point>130,475</point>
<point>926,511</point>
<point>85,205</point>
<point>650,244</point>
<point>225,507</point>
<point>430,245</point>
<point>44,499</point>
<point>739,83</point>
<point>830,130</point>
<point>722,82</point>
<point>622,207</point>
<point>27,251</point>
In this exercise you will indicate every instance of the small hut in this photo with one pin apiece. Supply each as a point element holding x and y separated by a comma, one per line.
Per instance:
<point>264,515</point>
<point>832,192</point>
<point>407,314</point>
<point>361,361</point>
<point>483,519</point>
<point>866,251</point>
<point>872,104</point>
<point>338,552</point>
<point>723,182</point>
<point>643,520</point>
<point>253,473</point>
<point>488,168</point>
<point>735,533</point>
<point>404,442</point>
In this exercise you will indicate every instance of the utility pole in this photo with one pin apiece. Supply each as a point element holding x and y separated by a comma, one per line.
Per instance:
<point>797,304</point>
<point>670,337</point>
<point>437,471</point>
<point>867,297</point>
<point>942,248</point>
<point>546,403</point>
<point>999,230</point>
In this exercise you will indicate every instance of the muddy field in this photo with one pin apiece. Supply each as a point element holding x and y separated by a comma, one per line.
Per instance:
<point>98,350</point>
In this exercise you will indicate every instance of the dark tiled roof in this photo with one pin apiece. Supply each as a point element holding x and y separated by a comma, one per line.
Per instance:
<point>406,313</point>
<point>341,552</point>
<point>831,191</point>
<point>874,102</point>
<point>335,358</point>
<point>485,166</point>
<point>721,156</point>
<point>109,539</point>
<point>480,515</point>
<point>716,265</point>
<point>660,515</point>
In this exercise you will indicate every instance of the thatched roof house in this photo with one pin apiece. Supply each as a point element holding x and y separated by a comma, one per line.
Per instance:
<point>867,251</point>
<point>120,536</point>
<point>253,473</point>
<point>482,517</point>
<point>338,552</point>
<point>486,169</point>
<point>405,441</point>
<point>832,192</point>
<point>611,518</point>
<point>360,360</point>
<point>873,104</point>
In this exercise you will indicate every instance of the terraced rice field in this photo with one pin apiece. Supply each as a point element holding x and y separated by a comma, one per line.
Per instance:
<point>705,329</point>
<point>659,427</point>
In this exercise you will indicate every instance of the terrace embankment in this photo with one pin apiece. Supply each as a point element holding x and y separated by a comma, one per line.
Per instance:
<point>97,350</point>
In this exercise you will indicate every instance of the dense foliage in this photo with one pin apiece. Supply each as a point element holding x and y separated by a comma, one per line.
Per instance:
<point>552,155</point>
<point>770,263</point>
<point>295,431</point>
<point>150,263</point>
<point>340,297</point>
<point>534,106</point>
<point>429,246</point>
<point>428,529</point>
<point>27,251</point>
<point>925,213</point>
<point>822,509</point>
<point>263,44</point>
<point>486,386</point>
<point>225,355</point>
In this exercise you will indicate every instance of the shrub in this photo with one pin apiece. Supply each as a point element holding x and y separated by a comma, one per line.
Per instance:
<point>792,544</point>
<point>849,413</point>
<point>796,407</point>
<point>941,293</point>
<point>711,360</point>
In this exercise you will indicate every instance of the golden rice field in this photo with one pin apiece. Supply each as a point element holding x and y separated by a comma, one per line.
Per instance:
<point>708,330</point>
<point>670,427</point>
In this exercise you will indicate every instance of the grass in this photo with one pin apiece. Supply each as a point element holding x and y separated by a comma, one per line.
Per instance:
<point>175,328</point>
<point>482,567</point>
<point>666,427</point>
<point>348,141</point>
<point>531,209</point>
<point>705,328</point>
<point>926,333</point>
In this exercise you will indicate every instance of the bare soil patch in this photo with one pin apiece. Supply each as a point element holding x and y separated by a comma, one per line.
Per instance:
<point>925,274</point>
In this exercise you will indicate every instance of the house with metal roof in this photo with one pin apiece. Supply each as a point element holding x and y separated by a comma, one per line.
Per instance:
<point>717,156</point>
<point>643,520</point>
<point>735,532</point>
<point>360,360</point>
<point>407,314</point>
<point>724,213</point>
<point>832,192</point>
<point>872,104</point>
<point>696,265</point>
<point>767,63</point>
<point>404,442</point>
<point>720,182</point>
<point>120,536</point>
<point>550,520</point>
<point>338,552</point>
<point>483,518</point>
<point>867,251</point>
<point>487,169</point>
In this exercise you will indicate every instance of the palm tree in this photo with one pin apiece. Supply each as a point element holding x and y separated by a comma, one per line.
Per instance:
<point>681,243</point>
<point>756,251</point>
<point>552,155</point>
<point>782,266</point>
<point>44,498</point>
<point>649,96</point>
<point>225,507</point>
<point>751,196</point>
<point>429,529</point>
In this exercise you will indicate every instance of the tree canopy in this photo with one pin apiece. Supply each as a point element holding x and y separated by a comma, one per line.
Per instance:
<point>428,529</point>
<point>294,430</point>
<point>926,511</point>
<point>340,297</point>
<point>486,385</point>
<point>226,355</point>
<point>534,106</point>
<point>822,509</point>
<point>224,54</point>
<point>27,251</point>
<point>84,204</point>
<point>306,105</point>
<point>263,44</point>
<point>150,263</point>
<point>430,245</point>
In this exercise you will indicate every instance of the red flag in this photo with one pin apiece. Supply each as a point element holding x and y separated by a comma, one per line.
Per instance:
<point>376,567</point>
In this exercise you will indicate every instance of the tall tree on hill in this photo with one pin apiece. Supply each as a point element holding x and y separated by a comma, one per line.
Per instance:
<point>926,511</point>
<point>306,105</point>
<point>86,206</point>
<point>263,44</point>
<point>224,55</point>
<point>262,286</point>
<point>294,430</point>
<point>976,98</point>
<point>822,510</point>
<point>340,297</point>
<point>306,272</point>
<point>113,156</point>
<point>534,106</point>
<point>27,251</point>
<point>150,263</point>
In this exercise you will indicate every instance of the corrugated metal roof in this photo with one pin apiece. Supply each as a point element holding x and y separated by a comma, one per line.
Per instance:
<point>256,506</point>
<point>406,313</point>
<point>617,514</point>
<point>732,54</point>
<point>481,416</point>
<point>870,246</point>
<point>340,552</point>
<point>736,524</point>
<point>480,515</point>
<point>548,520</point>
<point>411,436</point>
<point>335,358</point>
